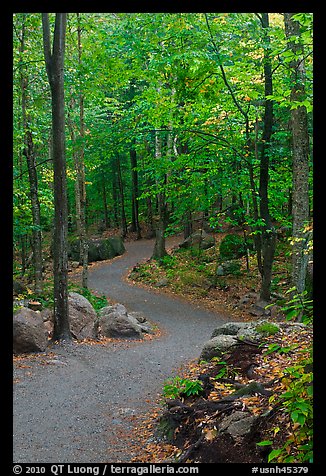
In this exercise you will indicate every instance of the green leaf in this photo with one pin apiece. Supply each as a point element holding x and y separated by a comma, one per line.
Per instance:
<point>274,454</point>
<point>264,443</point>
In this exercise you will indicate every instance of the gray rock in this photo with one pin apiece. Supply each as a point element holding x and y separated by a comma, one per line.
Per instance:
<point>162,283</point>
<point>29,333</point>
<point>244,300</point>
<point>98,248</point>
<point>47,315</point>
<point>116,324</point>
<point>48,320</point>
<point>238,424</point>
<point>254,331</point>
<point>198,239</point>
<point>82,316</point>
<point>117,244</point>
<point>230,328</point>
<point>115,321</point>
<point>139,316</point>
<point>216,346</point>
<point>120,308</point>
<point>141,321</point>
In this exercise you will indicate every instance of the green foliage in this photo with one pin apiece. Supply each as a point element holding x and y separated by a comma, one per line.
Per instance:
<point>46,298</point>
<point>298,307</point>
<point>178,387</point>
<point>225,371</point>
<point>96,301</point>
<point>168,261</point>
<point>297,402</point>
<point>232,247</point>
<point>162,80</point>
<point>232,267</point>
<point>267,329</point>
<point>279,349</point>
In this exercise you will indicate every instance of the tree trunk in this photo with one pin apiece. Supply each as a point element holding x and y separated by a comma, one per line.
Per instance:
<point>151,231</point>
<point>159,248</point>
<point>135,193</point>
<point>115,198</point>
<point>300,146</point>
<point>268,233</point>
<point>187,227</point>
<point>122,199</point>
<point>105,205</point>
<point>149,205</point>
<point>55,69</point>
<point>29,153</point>
<point>80,168</point>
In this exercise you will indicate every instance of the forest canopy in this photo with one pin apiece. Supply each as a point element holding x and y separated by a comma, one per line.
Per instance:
<point>169,118</point>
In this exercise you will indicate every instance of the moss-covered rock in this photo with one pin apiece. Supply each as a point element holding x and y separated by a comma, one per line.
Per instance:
<point>98,249</point>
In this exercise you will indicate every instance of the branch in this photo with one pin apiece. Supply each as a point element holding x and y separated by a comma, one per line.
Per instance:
<point>201,82</point>
<point>219,140</point>
<point>20,39</point>
<point>20,64</point>
<point>245,115</point>
<point>260,18</point>
<point>26,171</point>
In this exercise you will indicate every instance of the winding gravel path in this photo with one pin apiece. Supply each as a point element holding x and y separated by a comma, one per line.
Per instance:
<point>80,405</point>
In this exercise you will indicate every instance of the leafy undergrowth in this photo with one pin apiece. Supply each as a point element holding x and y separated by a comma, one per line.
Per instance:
<point>192,273</point>
<point>276,380</point>
<point>277,373</point>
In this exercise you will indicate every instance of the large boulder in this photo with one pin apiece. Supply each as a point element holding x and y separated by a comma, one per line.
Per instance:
<point>29,333</point>
<point>252,331</point>
<point>115,321</point>
<point>229,328</point>
<point>82,316</point>
<point>216,346</point>
<point>256,331</point>
<point>199,239</point>
<point>98,248</point>
<point>227,335</point>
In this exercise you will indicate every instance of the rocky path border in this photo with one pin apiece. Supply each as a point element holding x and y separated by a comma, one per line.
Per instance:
<point>82,406</point>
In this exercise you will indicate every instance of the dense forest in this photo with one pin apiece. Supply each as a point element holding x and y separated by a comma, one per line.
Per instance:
<point>148,125</point>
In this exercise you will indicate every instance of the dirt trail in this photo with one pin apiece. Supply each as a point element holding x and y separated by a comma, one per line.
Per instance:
<point>81,404</point>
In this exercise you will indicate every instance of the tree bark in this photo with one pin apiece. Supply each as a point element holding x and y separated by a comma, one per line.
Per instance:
<point>268,232</point>
<point>80,168</point>
<point>122,198</point>
<point>115,197</point>
<point>300,147</point>
<point>55,70</point>
<point>159,248</point>
<point>135,193</point>
<point>105,205</point>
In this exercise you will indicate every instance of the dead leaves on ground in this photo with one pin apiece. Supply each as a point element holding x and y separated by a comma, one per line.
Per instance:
<point>278,352</point>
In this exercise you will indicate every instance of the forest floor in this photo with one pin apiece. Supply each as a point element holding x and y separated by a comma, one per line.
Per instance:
<point>187,426</point>
<point>103,401</point>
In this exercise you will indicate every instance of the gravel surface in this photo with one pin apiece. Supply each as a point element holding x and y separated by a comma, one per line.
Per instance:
<point>80,402</point>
